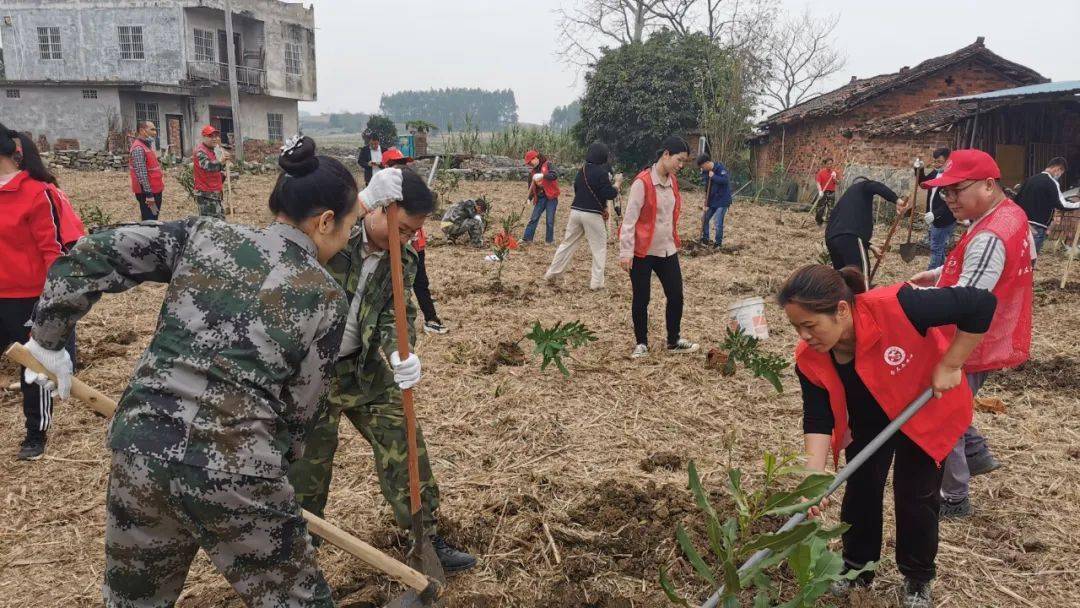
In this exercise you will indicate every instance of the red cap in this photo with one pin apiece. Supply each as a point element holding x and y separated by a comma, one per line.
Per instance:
<point>392,156</point>
<point>530,155</point>
<point>209,131</point>
<point>964,165</point>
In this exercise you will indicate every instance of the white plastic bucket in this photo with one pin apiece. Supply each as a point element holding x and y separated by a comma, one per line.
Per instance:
<point>749,316</point>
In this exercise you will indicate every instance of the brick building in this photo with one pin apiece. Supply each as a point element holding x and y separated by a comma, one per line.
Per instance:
<point>861,124</point>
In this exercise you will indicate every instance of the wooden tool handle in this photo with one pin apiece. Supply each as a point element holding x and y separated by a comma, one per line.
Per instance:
<point>94,398</point>
<point>1071,254</point>
<point>397,280</point>
<point>365,552</point>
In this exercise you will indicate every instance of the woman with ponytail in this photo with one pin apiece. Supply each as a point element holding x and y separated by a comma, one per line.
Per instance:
<point>649,243</point>
<point>862,358</point>
<point>36,225</point>
<point>220,402</point>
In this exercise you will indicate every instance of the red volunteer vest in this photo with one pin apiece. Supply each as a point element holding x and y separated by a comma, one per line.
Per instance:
<point>205,181</point>
<point>550,186</point>
<point>420,240</point>
<point>896,364</point>
<point>646,223</point>
<point>1008,341</point>
<point>153,169</point>
<point>71,225</point>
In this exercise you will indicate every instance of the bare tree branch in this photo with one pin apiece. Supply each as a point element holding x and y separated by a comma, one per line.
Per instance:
<point>800,57</point>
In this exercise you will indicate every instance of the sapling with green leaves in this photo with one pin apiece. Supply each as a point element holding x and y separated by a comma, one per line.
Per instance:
<point>746,349</point>
<point>556,341</point>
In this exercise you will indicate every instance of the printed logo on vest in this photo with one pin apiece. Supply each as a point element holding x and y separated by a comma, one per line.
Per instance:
<point>894,355</point>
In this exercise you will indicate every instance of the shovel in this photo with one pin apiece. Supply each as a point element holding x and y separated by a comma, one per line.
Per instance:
<point>423,591</point>
<point>842,476</point>
<point>422,555</point>
<point>892,230</point>
<point>909,250</point>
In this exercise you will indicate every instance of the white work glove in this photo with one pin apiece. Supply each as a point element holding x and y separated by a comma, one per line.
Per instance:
<point>929,218</point>
<point>407,372</point>
<point>56,361</point>
<point>383,189</point>
<point>538,177</point>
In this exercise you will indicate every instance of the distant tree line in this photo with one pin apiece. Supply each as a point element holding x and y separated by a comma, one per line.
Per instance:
<point>563,118</point>
<point>486,110</point>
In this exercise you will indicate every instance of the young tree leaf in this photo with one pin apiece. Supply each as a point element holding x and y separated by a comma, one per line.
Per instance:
<point>692,554</point>
<point>669,590</point>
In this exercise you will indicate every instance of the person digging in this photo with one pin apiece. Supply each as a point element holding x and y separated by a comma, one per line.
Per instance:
<point>465,217</point>
<point>362,387</point>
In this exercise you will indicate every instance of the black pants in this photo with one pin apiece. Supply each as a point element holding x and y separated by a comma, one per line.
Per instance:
<point>824,207</point>
<point>844,251</point>
<point>37,404</point>
<point>917,498</point>
<point>422,289</point>
<point>145,210</point>
<point>670,275</point>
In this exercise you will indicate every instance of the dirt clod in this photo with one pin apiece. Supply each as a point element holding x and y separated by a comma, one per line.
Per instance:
<point>662,460</point>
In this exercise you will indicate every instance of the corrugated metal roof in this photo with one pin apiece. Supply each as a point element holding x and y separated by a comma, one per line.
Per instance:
<point>1065,86</point>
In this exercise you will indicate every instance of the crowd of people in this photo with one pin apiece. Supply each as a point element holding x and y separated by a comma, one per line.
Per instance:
<point>229,425</point>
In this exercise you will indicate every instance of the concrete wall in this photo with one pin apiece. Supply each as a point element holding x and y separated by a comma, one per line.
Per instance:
<point>253,111</point>
<point>61,112</point>
<point>90,43</point>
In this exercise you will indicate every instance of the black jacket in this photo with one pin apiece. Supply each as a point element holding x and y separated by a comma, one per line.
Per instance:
<point>592,197</point>
<point>854,212</point>
<point>1039,197</point>
<point>943,218</point>
<point>363,159</point>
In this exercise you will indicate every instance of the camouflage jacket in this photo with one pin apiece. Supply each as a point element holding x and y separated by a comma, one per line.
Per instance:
<point>375,316</point>
<point>244,347</point>
<point>461,211</point>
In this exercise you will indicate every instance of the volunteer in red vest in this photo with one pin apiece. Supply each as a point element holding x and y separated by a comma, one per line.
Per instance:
<point>393,157</point>
<point>207,169</point>
<point>544,195</point>
<point>147,180</point>
<point>649,243</point>
<point>37,225</point>
<point>826,179</point>
<point>994,254</point>
<point>861,359</point>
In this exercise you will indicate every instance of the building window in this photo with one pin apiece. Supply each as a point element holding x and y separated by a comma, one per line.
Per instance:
<point>294,62</point>
<point>49,42</point>
<point>131,42</point>
<point>275,127</point>
<point>11,93</point>
<point>204,45</point>
<point>146,112</point>
<point>89,93</point>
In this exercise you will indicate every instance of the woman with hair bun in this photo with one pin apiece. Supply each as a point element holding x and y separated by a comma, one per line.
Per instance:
<point>233,378</point>
<point>862,358</point>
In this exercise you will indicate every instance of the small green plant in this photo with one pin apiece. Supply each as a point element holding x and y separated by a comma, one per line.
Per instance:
<point>444,183</point>
<point>554,342</point>
<point>746,349</point>
<point>95,217</point>
<point>803,548</point>
<point>187,180</point>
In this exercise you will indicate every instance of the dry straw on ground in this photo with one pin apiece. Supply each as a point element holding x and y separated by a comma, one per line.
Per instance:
<point>569,489</point>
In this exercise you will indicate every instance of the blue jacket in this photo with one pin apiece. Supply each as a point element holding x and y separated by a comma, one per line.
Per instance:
<point>720,190</point>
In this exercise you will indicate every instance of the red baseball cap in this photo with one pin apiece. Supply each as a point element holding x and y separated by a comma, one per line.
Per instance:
<point>530,155</point>
<point>392,156</point>
<point>209,131</point>
<point>964,165</point>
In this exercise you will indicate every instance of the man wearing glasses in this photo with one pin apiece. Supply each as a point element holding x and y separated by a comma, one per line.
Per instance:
<point>995,254</point>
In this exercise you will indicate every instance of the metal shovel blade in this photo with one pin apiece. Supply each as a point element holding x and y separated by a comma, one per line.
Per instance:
<point>422,555</point>
<point>909,251</point>
<point>413,599</point>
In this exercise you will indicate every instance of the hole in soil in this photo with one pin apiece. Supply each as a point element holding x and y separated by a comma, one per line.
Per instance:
<point>669,461</point>
<point>505,353</point>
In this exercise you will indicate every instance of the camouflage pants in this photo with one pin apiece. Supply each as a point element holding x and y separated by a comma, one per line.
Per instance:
<point>380,418</point>
<point>471,226</point>
<point>209,203</point>
<point>160,513</point>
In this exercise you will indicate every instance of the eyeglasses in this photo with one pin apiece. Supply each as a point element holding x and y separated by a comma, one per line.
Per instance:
<point>952,193</point>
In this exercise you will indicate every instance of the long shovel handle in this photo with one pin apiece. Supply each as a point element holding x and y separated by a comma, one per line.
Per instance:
<point>102,404</point>
<point>1071,254</point>
<point>397,280</point>
<point>841,477</point>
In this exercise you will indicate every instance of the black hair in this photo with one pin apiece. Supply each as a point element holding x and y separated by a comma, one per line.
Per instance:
<point>672,144</point>
<point>702,159</point>
<point>312,184</point>
<point>819,288</point>
<point>1057,161</point>
<point>11,140</point>
<point>942,153</point>
<point>416,197</point>
<point>597,154</point>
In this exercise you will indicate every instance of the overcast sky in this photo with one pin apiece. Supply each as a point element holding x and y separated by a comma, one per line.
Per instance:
<point>498,44</point>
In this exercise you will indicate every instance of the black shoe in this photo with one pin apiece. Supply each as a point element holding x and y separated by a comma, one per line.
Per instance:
<point>917,594</point>
<point>981,464</point>
<point>452,559</point>
<point>955,510</point>
<point>33,447</point>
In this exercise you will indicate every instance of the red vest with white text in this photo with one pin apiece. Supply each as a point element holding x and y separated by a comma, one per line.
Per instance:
<point>153,169</point>
<point>646,223</point>
<point>205,181</point>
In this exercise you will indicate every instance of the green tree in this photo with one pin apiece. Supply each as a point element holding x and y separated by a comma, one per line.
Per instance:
<point>384,128</point>
<point>488,110</point>
<point>563,118</point>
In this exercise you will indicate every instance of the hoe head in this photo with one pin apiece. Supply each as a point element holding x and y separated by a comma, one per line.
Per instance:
<point>422,599</point>
<point>909,251</point>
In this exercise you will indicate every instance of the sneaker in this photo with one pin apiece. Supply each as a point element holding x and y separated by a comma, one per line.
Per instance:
<point>683,346</point>
<point>641,350</point>
<point>955,509</point>
<point>435,327</point>
<point>33,447</point>
<point>451,558</point>
<point>983,463</point>
<point>917,594</point>
<point>842,588</point>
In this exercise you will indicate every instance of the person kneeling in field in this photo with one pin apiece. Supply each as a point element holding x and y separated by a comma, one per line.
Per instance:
<point>861,359</point>
<point>220,402</point>
<point>465,217</point>
<point>363,386</point>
